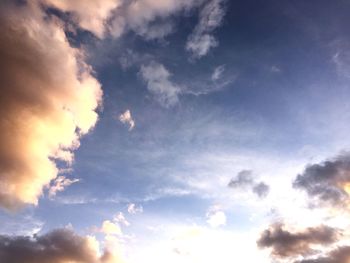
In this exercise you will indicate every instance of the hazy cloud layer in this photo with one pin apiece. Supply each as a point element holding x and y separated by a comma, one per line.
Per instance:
<point>328,181</point>
<point>210,17</point>
<point>285,244</point>
<point>245,179</point>
<point>58,246</point>
<point>48,101</point>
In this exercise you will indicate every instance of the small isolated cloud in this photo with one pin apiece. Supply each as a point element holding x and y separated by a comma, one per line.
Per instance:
<point>288,244</point>
<point>217,73</point>
<point>216,217</point>
<point>59,184</point>
<point>327,182</point>
<point>120,218</point>
<point>158,82</point>
<point>245,180</point>
<point>134,209</point>
<point>210,17</point>
<point>126,118</point>
<point>261,189</point>
<point>58,246</point>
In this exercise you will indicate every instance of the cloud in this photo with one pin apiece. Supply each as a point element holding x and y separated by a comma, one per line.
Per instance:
<point>338,255</point>
<point>216,218</point>
<point>217,73</point>
<point>110,228</point>
<point>158,82</point>
<point>89,15</point>
<point>327,182</point>
<point>126,118</point>
<point>58,246</point>
<point>244,179</point>
<point>48,101</point>
<point>120,218</point>
<point>59,184</point>
<point>261,189</point>
<point>210,17</point>
<point>134,209</point>
<point>285,244</point>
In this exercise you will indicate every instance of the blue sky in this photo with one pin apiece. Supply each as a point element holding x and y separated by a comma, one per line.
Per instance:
<point>147,127</point>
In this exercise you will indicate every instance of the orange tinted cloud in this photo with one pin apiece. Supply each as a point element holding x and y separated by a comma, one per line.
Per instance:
<point>48,101</point>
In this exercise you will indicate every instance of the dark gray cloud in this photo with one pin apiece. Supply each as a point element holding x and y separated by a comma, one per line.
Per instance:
<point>339,255</point>
<point>261,189</point>
<point>290,244</point>
<point>327,182</point>
<point>58,246</point>
<point>245,179</point>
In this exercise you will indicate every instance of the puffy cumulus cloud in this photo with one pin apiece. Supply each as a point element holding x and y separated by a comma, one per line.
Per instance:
<point>58,246</point>
<point>48,101</point>
<point>327,182</point>
<point>285,244</point>
<point>60,183</point>
<point>215,216</point>
<point>134,209</point>
<point>339,255</point>
<point>158,82</point>
<point>210,18</point>
<point>245,180</point>
<point>89,15</point>
<point>127,119</point>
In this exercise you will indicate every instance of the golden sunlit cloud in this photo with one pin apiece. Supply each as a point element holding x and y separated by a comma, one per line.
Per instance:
<point>48,101</point>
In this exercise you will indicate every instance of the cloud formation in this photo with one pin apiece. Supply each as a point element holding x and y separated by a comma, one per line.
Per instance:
<point>338,255</point>
<point>126,118</point>
<point>327,182</point>
<point>134,209</point>
<point>48,101</point>
<point>285,244</point>
<point>210,18</point>
<point>158,82</point>
<point>244,179</point>
<point>60,183</point>
<point>58,246</point>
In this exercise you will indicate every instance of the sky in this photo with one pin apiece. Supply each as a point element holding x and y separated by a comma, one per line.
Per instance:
<point>159,131</point>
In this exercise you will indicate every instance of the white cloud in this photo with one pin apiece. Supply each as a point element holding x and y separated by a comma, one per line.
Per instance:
<point>210,18</point>
<point>127,119</point>
<point>134,209</point>
<point>158,82</point>
<point>216,217</point>
<point>110,228</point>
<point>120,218</point>
<point>59,184</point>
<point>217,73</point>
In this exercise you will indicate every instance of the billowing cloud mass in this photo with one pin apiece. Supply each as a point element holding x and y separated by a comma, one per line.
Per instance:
<point>327,182</point>
<point>48,101</point>
<point>127,119</point>
<point>158,82</point>
<point>58,246</point>
<point>245,180</point>
<point>210,17</point>
<point>285,244</point>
